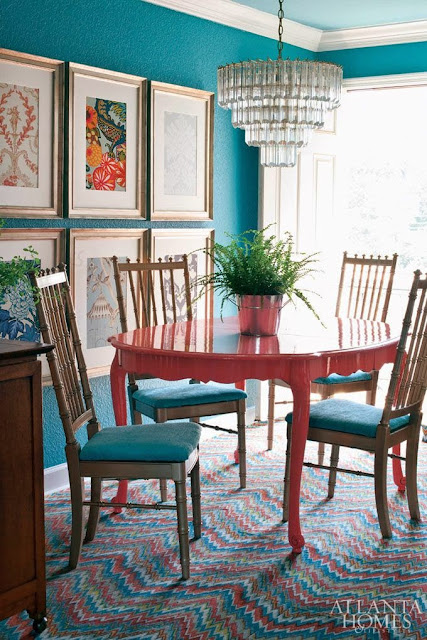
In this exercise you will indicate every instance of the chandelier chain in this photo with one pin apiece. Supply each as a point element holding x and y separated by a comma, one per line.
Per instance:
<point>280,43</point>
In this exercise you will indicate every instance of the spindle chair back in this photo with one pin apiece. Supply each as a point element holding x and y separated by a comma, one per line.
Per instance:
<point>161,294</point>
<point>374,429</point>
<point>127,452</point>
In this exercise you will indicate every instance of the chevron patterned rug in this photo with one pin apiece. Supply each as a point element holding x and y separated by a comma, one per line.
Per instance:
<point>245,584</point>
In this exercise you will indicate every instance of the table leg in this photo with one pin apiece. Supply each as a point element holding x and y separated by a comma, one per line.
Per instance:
<point>118,393</point>
<point>301,413</point>
<point>398,477</point>
<point>239,385</point>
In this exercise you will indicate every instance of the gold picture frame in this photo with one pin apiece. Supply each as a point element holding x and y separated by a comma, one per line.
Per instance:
<point>107,143</point>
<point>181,144</point>
<point>94,291</point>
<point>31,111</point>
<point>166,243</point>
<point>18,312</point>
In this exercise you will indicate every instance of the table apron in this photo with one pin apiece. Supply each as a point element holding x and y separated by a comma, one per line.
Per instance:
<point>293,369</point>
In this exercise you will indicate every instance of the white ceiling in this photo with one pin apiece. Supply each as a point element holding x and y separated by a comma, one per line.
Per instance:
<point>347,14</point>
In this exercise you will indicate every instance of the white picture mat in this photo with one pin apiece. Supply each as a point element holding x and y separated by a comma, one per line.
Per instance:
<point>172,103</point>
<point>98,246</point>
<point>44,80</point>
<point>49,254</point>
<point>174,242</point>
<point>92,87</point>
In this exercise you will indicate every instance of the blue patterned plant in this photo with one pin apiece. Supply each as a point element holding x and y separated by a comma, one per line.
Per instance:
<point>17,310</point>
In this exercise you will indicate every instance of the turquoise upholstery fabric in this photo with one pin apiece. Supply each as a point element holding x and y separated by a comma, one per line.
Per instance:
<point>335,378</point>
<point>162,442</point>
<point>186,394</point>
<point>349,417</point>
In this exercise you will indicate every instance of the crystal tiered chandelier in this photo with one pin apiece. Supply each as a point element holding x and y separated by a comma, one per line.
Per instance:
<point>279,102</point>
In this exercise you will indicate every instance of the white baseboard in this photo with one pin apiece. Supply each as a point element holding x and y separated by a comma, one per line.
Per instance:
<point>56,478</point>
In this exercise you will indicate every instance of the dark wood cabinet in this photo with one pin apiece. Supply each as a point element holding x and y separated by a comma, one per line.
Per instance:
<point>22,547</point>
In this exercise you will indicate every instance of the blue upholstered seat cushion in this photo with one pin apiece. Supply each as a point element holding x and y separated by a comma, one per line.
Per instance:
<point>161,442</point>
<point>186,394</point>
<point>349,417</point>
<point>335,378</point>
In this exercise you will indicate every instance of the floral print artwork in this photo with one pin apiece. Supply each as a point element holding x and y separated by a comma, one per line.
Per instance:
<point>103,318</point>
<point>19,136</point>
<point>18,316</point>
<point>105,145</point>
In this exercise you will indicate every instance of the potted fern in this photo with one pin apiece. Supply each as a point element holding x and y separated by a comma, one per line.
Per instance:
<point>260,274</point>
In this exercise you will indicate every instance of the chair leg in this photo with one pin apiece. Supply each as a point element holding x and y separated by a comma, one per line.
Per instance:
<point>335,454</point>
<point>77,491</point>
<point>371,394</point>
<point>135,416</point>
<point>321,453</point>
<point>380,471</point>
<point>411,474</point>
<point>321,448</point>
<point>241,442</point>
<point>181,510</point>
<point>270,418</point>
<point>163,490</point>
<point>162,416</point>
<point>195,498</point>
<point>95,496</point>
<point>287,476</point>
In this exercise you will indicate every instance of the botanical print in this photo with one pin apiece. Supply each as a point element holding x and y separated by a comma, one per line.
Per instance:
<point>103,318</point>
<point>105,145</point>
<point>180,149</point>
<point>19,136</point>
<point>181,310</point>
<point>18,316</point>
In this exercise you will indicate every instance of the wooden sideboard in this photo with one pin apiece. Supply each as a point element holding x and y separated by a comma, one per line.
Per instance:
<point>22,547</point>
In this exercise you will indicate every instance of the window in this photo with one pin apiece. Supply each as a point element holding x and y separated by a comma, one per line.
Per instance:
<point>383,190</point>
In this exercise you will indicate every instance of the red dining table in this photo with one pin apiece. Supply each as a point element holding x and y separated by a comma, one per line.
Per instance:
<point>214,350</point>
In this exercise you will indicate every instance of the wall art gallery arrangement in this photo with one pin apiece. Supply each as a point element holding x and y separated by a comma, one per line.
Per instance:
<point>97,145</point>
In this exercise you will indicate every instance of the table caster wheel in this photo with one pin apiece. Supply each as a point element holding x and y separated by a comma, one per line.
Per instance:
<point>39,625</point>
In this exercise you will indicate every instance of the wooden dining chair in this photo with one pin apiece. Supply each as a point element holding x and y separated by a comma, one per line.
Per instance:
<point>345,423</point>
<point>167,451</point>
<point>160,293</point>
<point>364,292</point>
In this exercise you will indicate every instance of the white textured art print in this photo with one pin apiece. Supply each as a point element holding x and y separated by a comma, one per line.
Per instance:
<point>180,159</point>
<point>102,307</point>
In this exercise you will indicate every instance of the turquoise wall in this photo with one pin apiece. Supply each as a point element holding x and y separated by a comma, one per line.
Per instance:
<point>134,37</point>
<point>380,61</point>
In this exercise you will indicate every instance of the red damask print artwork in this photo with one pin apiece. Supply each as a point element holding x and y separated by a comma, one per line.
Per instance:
<point>19,136</point>
<point>105,145</point>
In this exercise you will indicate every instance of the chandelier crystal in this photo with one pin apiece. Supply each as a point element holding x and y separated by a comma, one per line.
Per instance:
<point>279,102</point>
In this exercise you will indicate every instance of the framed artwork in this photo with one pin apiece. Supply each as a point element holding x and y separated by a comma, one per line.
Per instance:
<point>31,132</point>
<point>173,243</point>
<point>17,309</point>
<point>181,153</point>
<point>94,290</point>
<point>107,143</point>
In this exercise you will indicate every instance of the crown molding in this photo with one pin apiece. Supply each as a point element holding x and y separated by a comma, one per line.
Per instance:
<point>232,14</point>
<point>399,33</point>
<point>382,82</point>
